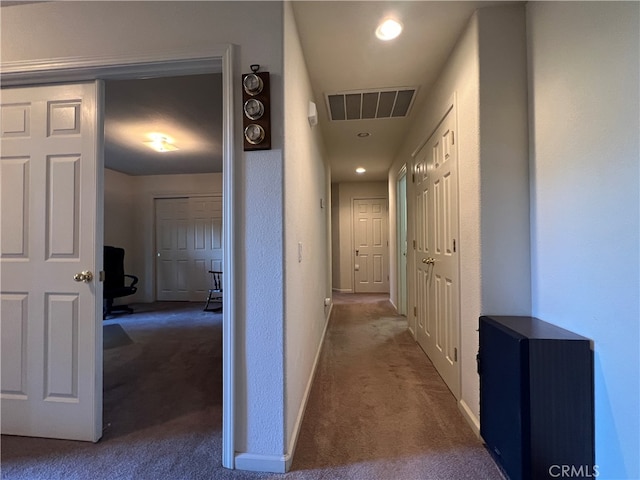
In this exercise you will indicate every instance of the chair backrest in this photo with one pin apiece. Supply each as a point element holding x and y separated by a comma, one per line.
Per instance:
<point>217,280</point>
<point>113,268</point>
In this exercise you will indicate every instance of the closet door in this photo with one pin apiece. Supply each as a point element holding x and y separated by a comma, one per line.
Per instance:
<point>188,245</point>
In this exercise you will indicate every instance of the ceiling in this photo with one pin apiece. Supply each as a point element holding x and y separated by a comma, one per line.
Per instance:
<point>187,110</point>
<point>342,54</point>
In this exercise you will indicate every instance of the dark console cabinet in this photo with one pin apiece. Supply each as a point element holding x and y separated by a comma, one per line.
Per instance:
<point>536,398</point>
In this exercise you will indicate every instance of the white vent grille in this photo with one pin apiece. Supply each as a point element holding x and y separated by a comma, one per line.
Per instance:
<point>370,104</point>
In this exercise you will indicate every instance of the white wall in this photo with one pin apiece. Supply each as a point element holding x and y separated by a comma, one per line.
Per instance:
<point>485,74</point>
<point>585,157</point>
<point>88,29</point>
<point>343,237</point>
<point>307,221</point>
<point>119,225</point>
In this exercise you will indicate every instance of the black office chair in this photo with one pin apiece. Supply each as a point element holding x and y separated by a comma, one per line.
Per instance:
<point>215,293</point>
<point>114,281</point>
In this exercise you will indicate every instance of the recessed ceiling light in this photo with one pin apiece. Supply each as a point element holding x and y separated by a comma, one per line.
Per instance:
<point>364,134</point>
<point>360,170</point>
<point>388,29</point>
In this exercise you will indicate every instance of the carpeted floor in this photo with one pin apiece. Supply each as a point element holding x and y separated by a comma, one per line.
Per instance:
<point>377,410</point>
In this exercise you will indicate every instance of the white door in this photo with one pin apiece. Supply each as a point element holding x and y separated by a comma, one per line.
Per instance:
<point>50,166</point>
<point>189,244</point>
<point>172,258</point>
<point>370,245</point>
<point>437,285</point>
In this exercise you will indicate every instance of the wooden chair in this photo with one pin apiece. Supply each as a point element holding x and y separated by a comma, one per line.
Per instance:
<point>215,293</point>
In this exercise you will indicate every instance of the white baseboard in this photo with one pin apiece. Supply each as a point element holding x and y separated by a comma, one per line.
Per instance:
<point>469,416</point>
<point>261,463</point>
<point>282,463</point>
<point>305,398</point>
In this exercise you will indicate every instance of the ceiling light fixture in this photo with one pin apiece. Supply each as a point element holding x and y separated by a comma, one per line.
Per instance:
<point>360,170</point>
<point>364,134</point>
<point>161,143</point>
<point>389,29</point>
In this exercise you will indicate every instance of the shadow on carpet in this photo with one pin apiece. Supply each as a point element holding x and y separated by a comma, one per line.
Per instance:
<point>114,336</point>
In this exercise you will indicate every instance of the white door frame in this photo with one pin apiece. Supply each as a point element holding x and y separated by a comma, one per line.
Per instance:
<point>353,237</point>
<point>401,209</point>
<point>217,59</point>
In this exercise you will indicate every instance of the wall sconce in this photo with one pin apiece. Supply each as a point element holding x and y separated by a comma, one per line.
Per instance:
<point>256,121</point>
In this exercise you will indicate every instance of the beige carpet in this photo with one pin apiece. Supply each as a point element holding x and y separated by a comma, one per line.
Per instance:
<point>377,409</point>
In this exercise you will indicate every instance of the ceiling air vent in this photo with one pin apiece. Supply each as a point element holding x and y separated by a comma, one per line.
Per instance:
<point>370,104</point>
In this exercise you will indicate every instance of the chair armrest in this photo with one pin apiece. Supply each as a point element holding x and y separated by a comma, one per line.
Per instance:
<point>133,278</point>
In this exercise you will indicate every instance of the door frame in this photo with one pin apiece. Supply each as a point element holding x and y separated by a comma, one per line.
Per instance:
<point>215,59</point>
<point>401,211</point>
<point>353,237</point>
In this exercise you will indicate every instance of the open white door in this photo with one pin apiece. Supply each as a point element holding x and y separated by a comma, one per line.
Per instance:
<point>51,254</point>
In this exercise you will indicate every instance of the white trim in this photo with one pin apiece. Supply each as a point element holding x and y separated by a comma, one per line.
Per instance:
<point>213,59</point>
<point>261,463</point>
<point>471,419</point>
<point>343,290</point>
<point>305,397</point>
<point>229,260</point>
<point>74,69</point>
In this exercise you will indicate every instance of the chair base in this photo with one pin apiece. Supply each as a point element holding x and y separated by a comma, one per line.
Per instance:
<point>109,309</point>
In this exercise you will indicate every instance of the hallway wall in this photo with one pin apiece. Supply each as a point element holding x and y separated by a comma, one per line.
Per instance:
<point>307,228</point>
<point>584,64</point>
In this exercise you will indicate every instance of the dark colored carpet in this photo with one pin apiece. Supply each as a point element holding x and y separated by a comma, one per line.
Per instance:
<point>377,410</point>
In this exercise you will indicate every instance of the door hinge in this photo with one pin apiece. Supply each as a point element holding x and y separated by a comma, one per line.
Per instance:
<point>453,138</point>
<point>414,244</point>
<point>454,245</point>
<point>455,354</point>
<point>413,178</point>
<point>415,311</point>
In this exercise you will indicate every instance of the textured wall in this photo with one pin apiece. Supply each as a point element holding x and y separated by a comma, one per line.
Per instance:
<point>307,222</point>
<point>585,156</point>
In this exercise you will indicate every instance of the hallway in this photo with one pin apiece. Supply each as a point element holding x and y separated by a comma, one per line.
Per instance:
<point>377,409</point>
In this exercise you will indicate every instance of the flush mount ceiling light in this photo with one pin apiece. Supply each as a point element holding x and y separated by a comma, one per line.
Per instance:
<point>364,134</point>
<point>360,170</point>
<point>388,29</point>
<point>161,143</point>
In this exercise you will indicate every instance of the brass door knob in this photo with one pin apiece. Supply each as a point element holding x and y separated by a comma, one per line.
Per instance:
<point>85,276</point>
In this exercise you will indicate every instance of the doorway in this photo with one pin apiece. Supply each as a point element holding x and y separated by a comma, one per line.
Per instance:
<point>401,235</point>
<point>215,59</point>
<point>437,251</point>
<point>370,245</point>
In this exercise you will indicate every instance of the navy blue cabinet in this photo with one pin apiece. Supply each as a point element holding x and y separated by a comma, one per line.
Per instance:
<point>536,398</point>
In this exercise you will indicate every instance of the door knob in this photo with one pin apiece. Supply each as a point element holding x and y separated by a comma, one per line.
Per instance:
<point>85,276</point>
<point>429,260</point>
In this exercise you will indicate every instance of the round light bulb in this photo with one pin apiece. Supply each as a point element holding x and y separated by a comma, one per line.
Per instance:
<point>360,170</point>
<point>389,29</point>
